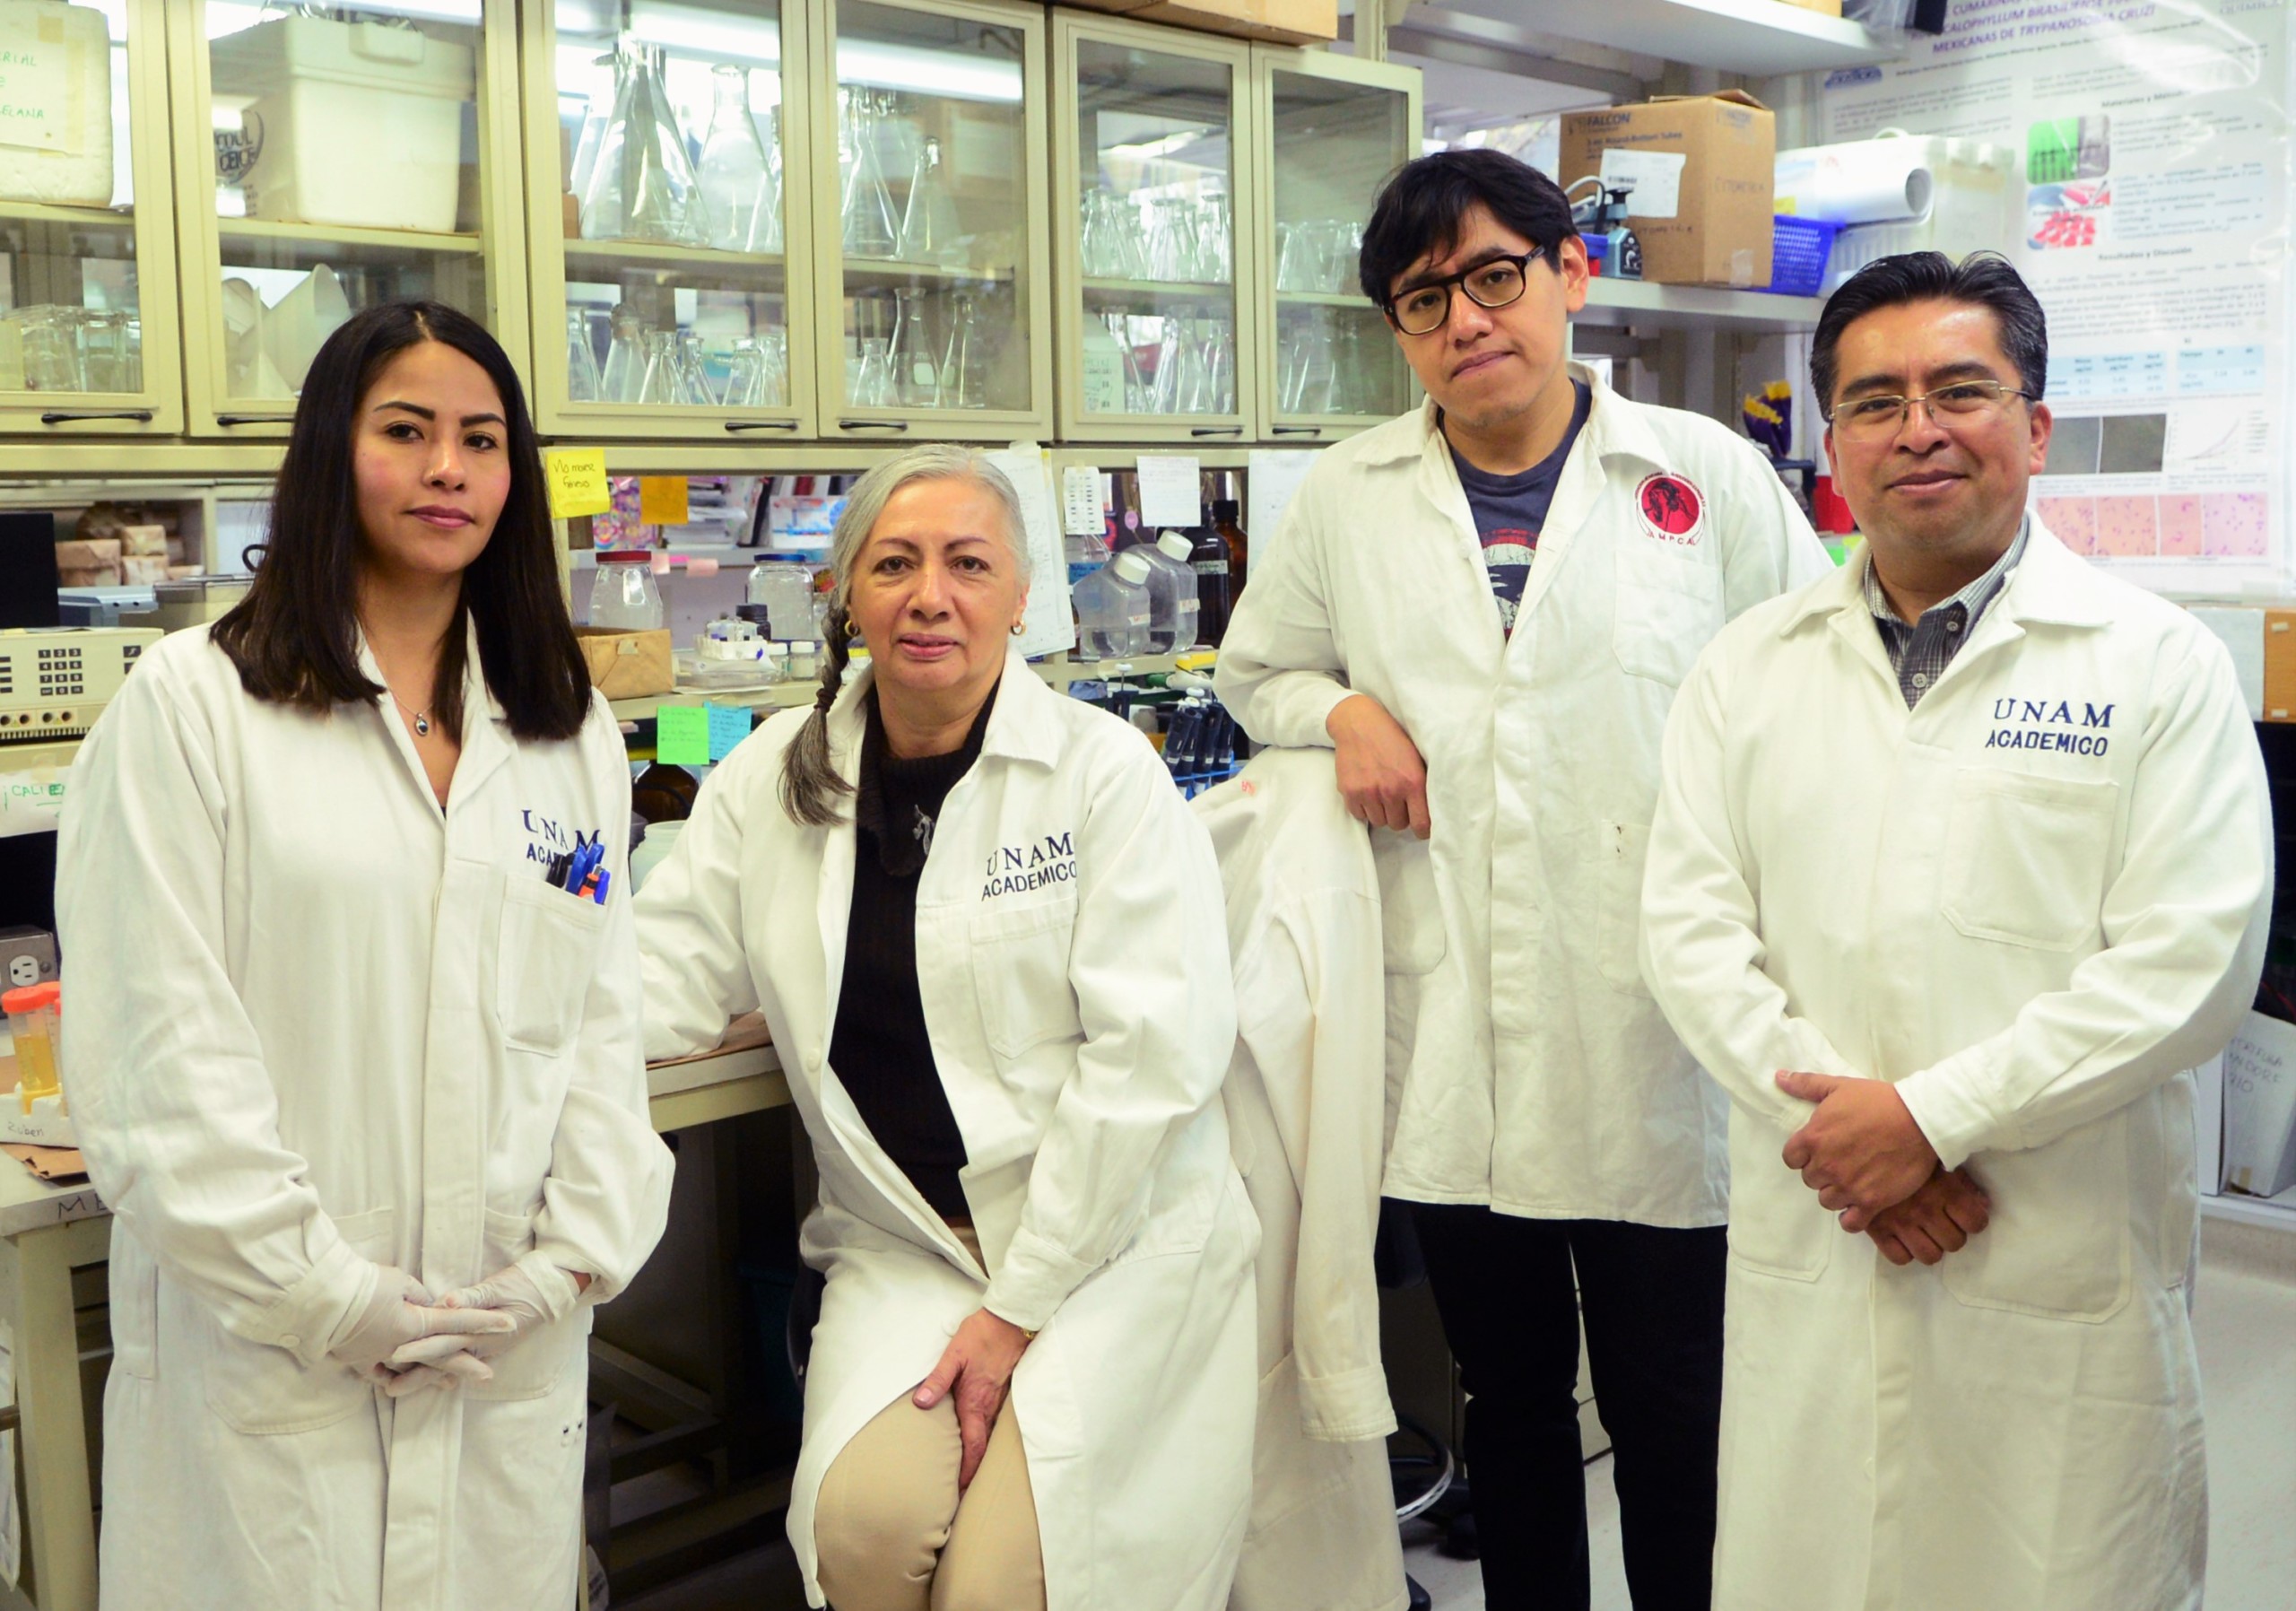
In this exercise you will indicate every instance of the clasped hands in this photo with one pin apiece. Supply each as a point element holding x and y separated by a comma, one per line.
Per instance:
<point>1861,1151</point>
<point>405,1340</point>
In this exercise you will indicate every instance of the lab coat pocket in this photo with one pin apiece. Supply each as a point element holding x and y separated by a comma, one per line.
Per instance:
<point>2025,855</point>
<point>264,1391</point>
<point>544,962</point>
<point>1777,1227</point>
<point>1666,611</point>
<point>1019,970</point>
<point>1621,849</point>
<point>530,1368</point>
<point>2057,1245</point>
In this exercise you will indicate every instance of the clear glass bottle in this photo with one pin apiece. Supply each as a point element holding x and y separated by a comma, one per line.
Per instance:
<point>782,586</point>
<point>582,380</point>
<point>871,229</point>
<point>735,174</point>
<point>915,371</point>
<point>1113,609</point>
<point>928,224</point>
<point>622,595</point>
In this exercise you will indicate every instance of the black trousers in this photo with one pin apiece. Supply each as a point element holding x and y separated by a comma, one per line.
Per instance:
<point>1653,1301</point>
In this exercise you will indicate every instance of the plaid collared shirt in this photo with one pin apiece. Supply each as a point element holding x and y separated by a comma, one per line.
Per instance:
<point>1921,652</point>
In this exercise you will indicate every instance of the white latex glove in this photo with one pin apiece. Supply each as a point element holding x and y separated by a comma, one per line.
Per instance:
<point>529,1295</point>
<point>399,1313</point>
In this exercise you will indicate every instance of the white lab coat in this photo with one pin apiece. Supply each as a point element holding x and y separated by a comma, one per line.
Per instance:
<point>2031,901</point>
<point>1541,1078</point>
<point>315,1022</point>
<point>1075,985</point>
<point>1306,1112</point>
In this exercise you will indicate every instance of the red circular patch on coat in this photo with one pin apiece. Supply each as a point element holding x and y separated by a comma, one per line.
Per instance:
<point>1671,507</point>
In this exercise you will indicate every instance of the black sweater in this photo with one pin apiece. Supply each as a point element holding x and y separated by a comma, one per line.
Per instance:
<point>879,1047</point>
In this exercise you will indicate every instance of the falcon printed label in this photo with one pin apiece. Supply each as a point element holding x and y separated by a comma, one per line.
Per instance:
<point>1672,510</point>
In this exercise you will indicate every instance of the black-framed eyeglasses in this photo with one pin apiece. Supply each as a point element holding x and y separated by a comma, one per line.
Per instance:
<point>1969,402</point>
<point>1493,282</point>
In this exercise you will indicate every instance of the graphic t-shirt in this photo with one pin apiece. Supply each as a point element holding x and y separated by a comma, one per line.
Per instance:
<point>1510,509</point>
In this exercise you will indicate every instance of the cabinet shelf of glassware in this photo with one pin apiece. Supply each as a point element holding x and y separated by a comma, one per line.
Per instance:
<point>930,169</point>
<point>1330,130</point>
<point>87,227</point>
<point>361,155</point>
<point>1154,172</point>
<point>661,146</point>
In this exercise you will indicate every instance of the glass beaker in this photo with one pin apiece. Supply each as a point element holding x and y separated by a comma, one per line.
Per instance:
<point>916,376</point>
<point>643,185</point>
<point>625,373</point>
<point>51,356</point>
<point>622,595</point>
<point>733,173</point>
<point>872,382</point>
<point>583,383</point>
<point>871,230</point>
<point>928,225</point>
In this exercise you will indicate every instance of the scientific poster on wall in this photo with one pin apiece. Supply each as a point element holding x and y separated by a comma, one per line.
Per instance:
<point>2155,189</point>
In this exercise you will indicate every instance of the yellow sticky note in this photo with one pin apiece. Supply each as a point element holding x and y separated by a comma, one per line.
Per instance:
<point>577,482</point>
<point>661,500</point>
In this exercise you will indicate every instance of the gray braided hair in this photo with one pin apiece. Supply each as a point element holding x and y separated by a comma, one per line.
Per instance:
<point>810,784</point>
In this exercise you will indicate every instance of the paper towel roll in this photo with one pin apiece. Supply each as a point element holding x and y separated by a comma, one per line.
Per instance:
<point>1867,181</point>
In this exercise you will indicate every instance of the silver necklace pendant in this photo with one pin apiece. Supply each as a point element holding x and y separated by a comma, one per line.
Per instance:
<point>422,725</point>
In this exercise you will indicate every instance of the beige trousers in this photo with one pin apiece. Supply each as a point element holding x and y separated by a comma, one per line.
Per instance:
<point>892,1533</point>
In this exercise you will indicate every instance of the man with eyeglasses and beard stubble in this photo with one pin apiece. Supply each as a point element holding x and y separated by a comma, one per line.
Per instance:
<point>1485,607</point>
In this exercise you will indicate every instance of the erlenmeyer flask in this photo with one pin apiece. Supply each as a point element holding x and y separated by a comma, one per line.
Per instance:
<point>917,373</point>
<point>662,386</point>
<point>582,383</point>
<point>1313,378</point>
<point>733,172</point>
<point>595,116</point>
<point>693,374</point>
<point>765,213</point>
<point>873,381</point>
<point>928,227</point>
<point>776,368</point>
<point>642,188</point>
<point>871,230</point>
<point>745,375</point>
<point>1166,394</point>
<point>625,371</point>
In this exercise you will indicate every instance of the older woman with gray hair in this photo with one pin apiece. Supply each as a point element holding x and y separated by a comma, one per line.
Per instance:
<point>987,936</point>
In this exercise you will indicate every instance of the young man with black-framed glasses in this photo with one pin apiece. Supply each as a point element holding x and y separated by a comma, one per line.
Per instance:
<point>1485,607</point>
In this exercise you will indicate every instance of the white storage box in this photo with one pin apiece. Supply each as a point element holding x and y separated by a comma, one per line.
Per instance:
<point>1903,193</point>
<point>361,123</point>
<point>55,104</point>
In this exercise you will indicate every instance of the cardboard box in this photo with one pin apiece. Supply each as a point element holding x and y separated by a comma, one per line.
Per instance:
<point>2279,666</point>
<point>1704,172</point>
<point>2260,1107</point>
<point>143,540</point>
<point>1270,22</point>
<point>627,665</point>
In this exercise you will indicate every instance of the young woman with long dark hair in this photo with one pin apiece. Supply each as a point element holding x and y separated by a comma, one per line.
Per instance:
<point>353,1047</point>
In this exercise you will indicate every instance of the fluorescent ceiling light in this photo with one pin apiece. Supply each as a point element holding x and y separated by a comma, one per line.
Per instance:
<point>941,74</point>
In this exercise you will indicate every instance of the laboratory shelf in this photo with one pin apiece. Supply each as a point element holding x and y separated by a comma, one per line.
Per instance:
<point>885,271</point>
<point>1321,299</point>
<point>1760,38</point>
<point>92,218</point>
<point>608,256</point>
<point>2273,1214</point>
<point>1135,291</point>
<point>316,240</point>
<point>1055,670</point>
<point>1647,303</point>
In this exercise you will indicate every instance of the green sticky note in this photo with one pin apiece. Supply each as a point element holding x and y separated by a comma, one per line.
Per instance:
<point>682,735</point>
<point>728,726</point>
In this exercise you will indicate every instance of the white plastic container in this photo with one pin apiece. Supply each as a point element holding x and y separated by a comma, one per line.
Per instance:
<point>361,123</point>
<point>56,130</point>
<point>1174,608</point>
<point>1903,193</point>
<point>1113,608</point>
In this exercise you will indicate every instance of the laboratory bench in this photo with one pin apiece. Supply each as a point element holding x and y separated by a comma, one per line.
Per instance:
<point>55,1239</point>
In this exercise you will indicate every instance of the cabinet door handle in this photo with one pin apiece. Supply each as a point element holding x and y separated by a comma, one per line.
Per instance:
<point>873,424</point>
<point>62,416</point>
<point>760,424</point>
<point>254,419</point>
<point>1295,430</point>
<point>1217,430</point>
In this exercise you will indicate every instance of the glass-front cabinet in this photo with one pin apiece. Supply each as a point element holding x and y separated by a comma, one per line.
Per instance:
<point>1152,188</point>
<point>86,220</point>
<point>669,268</point>
<point>931,199</point>
<point>362,152</point>
<point>1331,129</point>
